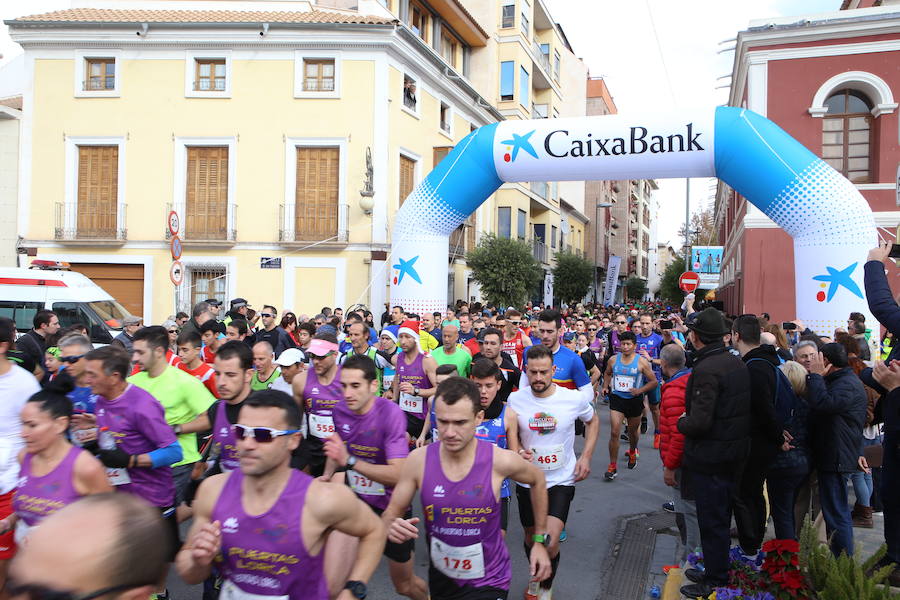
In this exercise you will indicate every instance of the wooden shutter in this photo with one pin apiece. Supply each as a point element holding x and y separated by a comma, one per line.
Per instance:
<point>98,191</point>
<point>316,210</point>
<point>407,177</point>
<point>206,193</point>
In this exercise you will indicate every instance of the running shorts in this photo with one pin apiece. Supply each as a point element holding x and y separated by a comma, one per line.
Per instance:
<point>8,539</point>
<point>653,396</point>
<point>630,407</point>
<point>504,513</point>
<point>400,553</point>
<point>559,496</point>
<point>442,587</point>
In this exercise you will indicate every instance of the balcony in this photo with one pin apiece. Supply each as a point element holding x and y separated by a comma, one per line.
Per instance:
<point>539,251</point>
<point>542,76</point>
<point>205,228</point>
<point>539,188</point>
<point>90,223</point>
<point>296,226</point>
<point>458,242</point>
<point>539,111</point>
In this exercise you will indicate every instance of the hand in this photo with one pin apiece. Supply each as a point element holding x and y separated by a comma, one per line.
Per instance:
<point>336,450</point>
<point>206,544</point>
<point>582,468</point>
<point>539,559</point>
<point>406,387</point>
<point>420,441</point>
<point>635,391</point>
<point>817,364</point>
<point>388,394</point>
<point>645,354</point>
<point>800,326</point>
<point>669,477</point>
<point>526,454</point>
<point>114,459</point>
<point>604,391</point>
<point>401,530</point>
<point>880,253</point>
<point>862,463</point>
<point>84,420</point>
<point>198,470</point>
<point>887,375</point>
<point>5,525</point>
<point>788,438</point>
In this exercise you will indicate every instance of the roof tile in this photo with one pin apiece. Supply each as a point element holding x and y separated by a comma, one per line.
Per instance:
<point>101,15</point>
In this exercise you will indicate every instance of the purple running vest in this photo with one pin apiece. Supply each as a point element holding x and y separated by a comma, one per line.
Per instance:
<point>265,554</point>
<point>320,400</point>
<point>462,520</point>
<point>223,437</point>
<point>39,497</point>
<point>415,374</point>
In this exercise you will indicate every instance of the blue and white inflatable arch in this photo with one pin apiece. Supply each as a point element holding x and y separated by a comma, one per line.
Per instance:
<point>829,220</point>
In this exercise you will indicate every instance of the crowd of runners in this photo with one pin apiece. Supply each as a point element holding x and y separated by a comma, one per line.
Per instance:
<point>294,449</point>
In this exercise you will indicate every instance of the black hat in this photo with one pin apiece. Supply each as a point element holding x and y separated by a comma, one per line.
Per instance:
<point>213,302</point>
<point>709,322</point>
<point>237,303</point>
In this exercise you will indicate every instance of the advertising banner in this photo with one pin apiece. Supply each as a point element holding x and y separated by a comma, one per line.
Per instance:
<point>707,261</point>
<point>612,279</point>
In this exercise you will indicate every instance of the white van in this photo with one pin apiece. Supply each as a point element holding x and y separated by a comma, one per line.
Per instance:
<point>72,296</point>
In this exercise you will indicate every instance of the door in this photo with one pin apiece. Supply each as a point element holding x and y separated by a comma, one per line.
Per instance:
<point>125,283</point>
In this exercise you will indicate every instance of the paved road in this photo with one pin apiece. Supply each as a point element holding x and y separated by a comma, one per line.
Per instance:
<point>593,519</point>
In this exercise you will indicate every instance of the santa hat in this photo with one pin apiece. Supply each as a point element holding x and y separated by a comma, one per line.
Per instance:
<point>409,328</point>
<point>391,331</point>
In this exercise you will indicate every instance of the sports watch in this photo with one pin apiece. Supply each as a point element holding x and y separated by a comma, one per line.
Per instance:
<point>351,462</point>
<point>541,538</point>
<point>357,588</point>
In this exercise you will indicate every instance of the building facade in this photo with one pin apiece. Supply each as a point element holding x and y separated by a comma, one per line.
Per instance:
<point>10,120</point>
<point>284,141</point>
<point>831,81</point>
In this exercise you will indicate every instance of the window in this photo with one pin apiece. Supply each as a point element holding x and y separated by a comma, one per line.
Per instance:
<point>98,191</point>
<point>318,74</point>
<point>553,230</point>
<point>100,74</point>
<point>846,134</point>
<point>316,201</point>
<point>440,153</point>
<point>206,194</point>
<point>407,177</point>
<point>418,20</point>
<point>539,111</point>
<point>445,117</point>
<point>448,48</point>
<point>207,282</point>
<point>526,29</point>
<point>524,86</point>
<point>409,93</point>
<point>504,221</point>
<point>210,75</point>
<point>523,219</point>
<point>556,64</point>
<point>70,313</point>
<point>21,312</point>
<point>507,74</point>
<point>508,14</point>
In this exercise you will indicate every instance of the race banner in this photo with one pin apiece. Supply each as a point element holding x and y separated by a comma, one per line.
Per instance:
<point>612,279</point>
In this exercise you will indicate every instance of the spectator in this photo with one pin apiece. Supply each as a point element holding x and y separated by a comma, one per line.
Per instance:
<point>215,307</point>
<point>277,337</point>
<point>125,340</point>
<point>289,324</point>
<point>804,352</point>
<point>199,315</point>
<point>888,376</point>
<point>34,343</point>
<point>181,318</point>
<point>173,331</point>
<point>238,310</point>
<point>858,330</point>
<point>837,401</point>
<point>305,333</point>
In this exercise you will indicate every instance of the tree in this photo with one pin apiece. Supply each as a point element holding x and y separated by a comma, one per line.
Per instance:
<point>703,229</point>
<point>504,269</point>
<point>668,284</point>
<point>572,277</point>
<point>635,287</point>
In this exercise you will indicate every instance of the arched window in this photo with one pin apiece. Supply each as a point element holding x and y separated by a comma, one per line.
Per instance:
<point>846,134</point>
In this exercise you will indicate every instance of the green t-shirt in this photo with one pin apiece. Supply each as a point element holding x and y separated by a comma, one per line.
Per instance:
<point>256,384</point>
<point>183,397</point>
<point>461,358</point>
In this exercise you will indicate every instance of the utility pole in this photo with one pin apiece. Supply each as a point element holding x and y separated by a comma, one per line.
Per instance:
<point>687,226</point>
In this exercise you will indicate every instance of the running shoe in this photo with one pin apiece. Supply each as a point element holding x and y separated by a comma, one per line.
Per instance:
<point>656,437</point>
<point>669,506</point>
<point>563,536</point>
<point>632,458</point>
<point>643,424</point>
<point>610,472</point>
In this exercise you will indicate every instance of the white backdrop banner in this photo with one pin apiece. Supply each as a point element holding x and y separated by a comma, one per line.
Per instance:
<point>612,278</point>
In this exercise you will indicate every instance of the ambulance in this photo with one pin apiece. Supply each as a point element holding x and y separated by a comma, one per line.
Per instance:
<point>72,296</point>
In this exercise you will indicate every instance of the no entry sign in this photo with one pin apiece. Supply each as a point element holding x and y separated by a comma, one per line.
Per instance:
<point>689,281</point>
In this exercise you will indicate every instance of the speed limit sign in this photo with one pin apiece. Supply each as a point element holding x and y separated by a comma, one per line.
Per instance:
<point>174,223</point>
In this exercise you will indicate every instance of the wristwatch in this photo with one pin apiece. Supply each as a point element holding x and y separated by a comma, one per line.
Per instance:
<point>357,588</point>
<point>541,538</point>
<point>351,462</point>
<point>415,391</point>
<point>177,429</point>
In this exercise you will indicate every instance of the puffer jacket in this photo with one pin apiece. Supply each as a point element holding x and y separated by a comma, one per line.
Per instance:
<point>671,441</point>
<point>838,414</point>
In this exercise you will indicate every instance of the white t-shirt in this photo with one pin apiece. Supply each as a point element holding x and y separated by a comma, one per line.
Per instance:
<point>16,387</point>
<point>547,429</point>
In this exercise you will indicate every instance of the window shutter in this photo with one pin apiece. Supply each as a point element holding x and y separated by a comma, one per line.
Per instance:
<point>98,191</point>
<point>316,210</point>
<point>206,193</point>
<point>407,176</point>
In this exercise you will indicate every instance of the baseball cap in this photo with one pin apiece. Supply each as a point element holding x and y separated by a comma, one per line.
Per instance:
<point>321,347</point>
<point>238,302</point>
<point>568,336</point>
<point>213,302</point>
<point>290,357</point>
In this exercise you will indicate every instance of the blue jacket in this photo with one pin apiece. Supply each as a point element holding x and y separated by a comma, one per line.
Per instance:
<point>837,405</point>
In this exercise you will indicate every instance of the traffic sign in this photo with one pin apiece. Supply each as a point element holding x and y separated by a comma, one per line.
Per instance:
<point>176,272</point>
<point>689,281</point>
<point>174,223</point>
<point>176,247</point>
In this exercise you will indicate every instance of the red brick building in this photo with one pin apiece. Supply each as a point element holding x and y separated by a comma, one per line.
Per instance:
<point>832,81</point>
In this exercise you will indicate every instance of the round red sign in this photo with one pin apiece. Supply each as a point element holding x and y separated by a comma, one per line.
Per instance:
<point>689,281</point>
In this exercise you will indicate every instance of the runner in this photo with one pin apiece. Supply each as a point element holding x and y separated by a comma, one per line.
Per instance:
<point>648,346</point>
<point>569,371</point>
<point>469,559</point>
<point>369,443</point>
<point>547,413</point>
<point>190,351</point>
<point>451,352</point>
<point>53,473</point>
<point>491,340</point>
<point>266,371</point>
<point>389,349</point>
<point>628,376</point>
<point>514,339</point>
<point>316,391</point>
<point>266,524</point>
<point>291,363</point>
<point>359,340</point>
<point>234,370</point>
<point>413,383</point>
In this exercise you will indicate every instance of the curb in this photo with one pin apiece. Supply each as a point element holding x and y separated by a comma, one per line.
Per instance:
<point>674,579</point>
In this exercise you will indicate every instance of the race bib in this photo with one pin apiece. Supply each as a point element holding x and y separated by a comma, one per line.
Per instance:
<point>412,404</point>
<point>230,591</point>
<point>387,381</point>
<point>623,383</point>
<point>458,562</point>
<point>321,426</point>
<point>118,476</point>
<point>364,486</point>
<point>548,458</point>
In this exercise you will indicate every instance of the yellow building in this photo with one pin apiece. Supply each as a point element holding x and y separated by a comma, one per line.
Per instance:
<point>284,141</point>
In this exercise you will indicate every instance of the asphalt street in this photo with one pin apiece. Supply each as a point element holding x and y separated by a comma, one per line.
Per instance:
<point>593,519</point>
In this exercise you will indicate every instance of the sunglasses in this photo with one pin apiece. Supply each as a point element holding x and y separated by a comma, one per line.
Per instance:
<point>262,435</point>
<point>266,315</point>
<point>621,322</point>
<point>33,591</point>
<point>515,322</point>
<point>317,357</point>
<point>70,359</point>
<point>592,329</point>
<point>173,331</point>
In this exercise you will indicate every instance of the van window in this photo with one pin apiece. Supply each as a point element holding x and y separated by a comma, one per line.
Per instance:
<point>70,313</point>
<point>110,312</point>
<point>20,312</point>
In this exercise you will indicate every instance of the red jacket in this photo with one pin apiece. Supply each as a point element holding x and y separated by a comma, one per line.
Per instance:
<point>671,407</point>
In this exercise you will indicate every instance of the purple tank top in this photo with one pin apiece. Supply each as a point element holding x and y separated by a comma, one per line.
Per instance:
<point>265,554</point>
<point>39,497</point>
<point>320,400</point>
<point>462,520</point>
<point>414,373</point>
<point>223,437</point>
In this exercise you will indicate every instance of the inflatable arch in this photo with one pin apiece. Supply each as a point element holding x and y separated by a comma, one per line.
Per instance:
<point>830,222</point>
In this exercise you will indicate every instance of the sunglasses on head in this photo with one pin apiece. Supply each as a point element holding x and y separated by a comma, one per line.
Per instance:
<point>70,359</point>
<point>260,434</point>
<point>33,591</point>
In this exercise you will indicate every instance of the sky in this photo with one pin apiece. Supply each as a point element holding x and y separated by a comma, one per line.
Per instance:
<point>654,55</point>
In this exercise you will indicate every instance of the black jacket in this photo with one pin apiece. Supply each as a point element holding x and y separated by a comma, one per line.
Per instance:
<point>33,345</point>
<point>884,307</point>
<point>716,427</point>
<point>837,404</point>
<point>765,433</point>
<point>279,339</point>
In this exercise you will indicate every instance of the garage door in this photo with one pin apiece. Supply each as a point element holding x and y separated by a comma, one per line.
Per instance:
<point>125,283</point>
